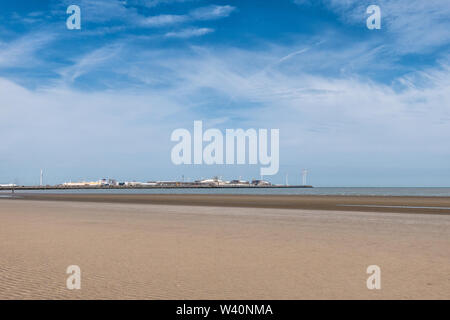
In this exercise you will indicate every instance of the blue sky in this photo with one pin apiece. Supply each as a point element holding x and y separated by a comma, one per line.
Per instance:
<point>357,107</point>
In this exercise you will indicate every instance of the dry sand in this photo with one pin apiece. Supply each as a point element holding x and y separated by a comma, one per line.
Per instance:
<point>156,251</point>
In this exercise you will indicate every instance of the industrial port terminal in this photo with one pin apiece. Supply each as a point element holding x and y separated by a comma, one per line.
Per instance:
<point>114,184</point>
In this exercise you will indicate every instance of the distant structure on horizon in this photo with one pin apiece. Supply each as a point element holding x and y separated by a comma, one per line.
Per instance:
<point>304,175</point>
<point>99,183</point>
<point>213,182</point>
<point>202,183</point>
<point>8,185</point>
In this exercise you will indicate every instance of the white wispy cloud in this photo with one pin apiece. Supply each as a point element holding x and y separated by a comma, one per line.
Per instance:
<point>410,25</point>
<point>190,32</point>
<point>154,3</point>
<point>99,11</point>
<point>164,20</point>
<point>22,51</point>
<point>211,12</point>
<point>89,62</point>
<point>121,15</point>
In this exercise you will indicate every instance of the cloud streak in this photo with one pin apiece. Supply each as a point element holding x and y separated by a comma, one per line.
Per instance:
<point>211,12</point>
<point>412,25</point>
<point>189,33</point>
<point>22,51</point>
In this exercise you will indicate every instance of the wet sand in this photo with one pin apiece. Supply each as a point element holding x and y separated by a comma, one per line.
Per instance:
<point>232,250</point>
<point>431,205</point>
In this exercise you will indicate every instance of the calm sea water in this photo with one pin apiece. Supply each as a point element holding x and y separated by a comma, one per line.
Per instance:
<point>431,192</point>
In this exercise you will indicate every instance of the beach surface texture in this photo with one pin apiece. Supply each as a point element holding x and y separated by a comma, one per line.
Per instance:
<point>224,247</point>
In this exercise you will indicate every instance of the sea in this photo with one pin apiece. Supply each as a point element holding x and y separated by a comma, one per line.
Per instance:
<point>345,191</point>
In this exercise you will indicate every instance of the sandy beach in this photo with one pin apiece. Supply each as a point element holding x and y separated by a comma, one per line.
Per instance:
<point>229,247</point>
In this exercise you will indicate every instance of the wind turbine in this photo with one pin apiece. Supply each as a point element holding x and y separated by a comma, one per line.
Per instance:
<point>304,174</point>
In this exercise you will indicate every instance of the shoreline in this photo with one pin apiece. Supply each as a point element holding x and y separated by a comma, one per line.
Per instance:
<point>396,204</point>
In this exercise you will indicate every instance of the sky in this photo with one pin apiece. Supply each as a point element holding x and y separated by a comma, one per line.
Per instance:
<point>356,107</point>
